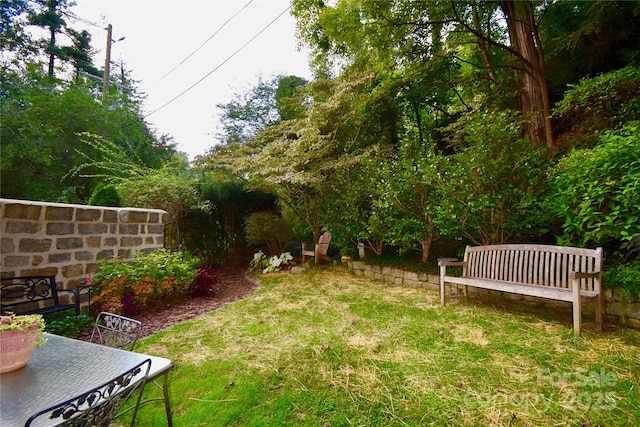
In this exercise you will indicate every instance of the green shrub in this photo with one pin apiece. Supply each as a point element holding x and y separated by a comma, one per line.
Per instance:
<point>602,102</point>
<point>624,276</point>
<point>167,189</point>
<point>270,229</point>
<point>68,324</point>
<point>489,189</point>
<point>105,195</point>
<point>144,283</point>
<point>597,191</point>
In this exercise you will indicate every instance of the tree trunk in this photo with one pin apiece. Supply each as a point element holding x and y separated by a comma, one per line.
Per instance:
<point>426,247</point>
<point>484,48</point>
<point>534,98</point>
<point>52,56</point>
<point>375,245</point>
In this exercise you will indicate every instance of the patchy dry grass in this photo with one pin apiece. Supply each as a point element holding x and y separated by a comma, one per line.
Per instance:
<point>330,349</point>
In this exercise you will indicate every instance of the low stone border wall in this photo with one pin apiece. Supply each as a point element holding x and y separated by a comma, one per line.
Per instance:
<point>66,241</point>
<point>618,309</point>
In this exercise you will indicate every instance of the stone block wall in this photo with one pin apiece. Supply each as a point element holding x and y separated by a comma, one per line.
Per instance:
<point>66,241</point>
<point>618,309</point>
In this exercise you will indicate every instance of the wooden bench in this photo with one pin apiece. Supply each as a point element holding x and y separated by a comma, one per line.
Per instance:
<point>320,249</point>
<point>34,294</point>
<point>545,271</point>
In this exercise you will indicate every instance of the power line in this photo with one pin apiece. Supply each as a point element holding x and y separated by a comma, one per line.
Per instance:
<point>204,43</point>
<point>83,20</point>
<point>219,65</point>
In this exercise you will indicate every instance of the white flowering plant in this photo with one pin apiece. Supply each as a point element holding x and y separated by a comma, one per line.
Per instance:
<point>271,264</point>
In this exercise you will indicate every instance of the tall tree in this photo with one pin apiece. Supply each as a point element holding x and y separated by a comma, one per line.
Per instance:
<point>41,124</point>
<point>400,37</point>
<point>585,39</point>
<point>527,49</point>
<point>50,18</point>
<point>12,33</point>
<point>263,105</point>
<point>294,158</point>
<point>79,53</point>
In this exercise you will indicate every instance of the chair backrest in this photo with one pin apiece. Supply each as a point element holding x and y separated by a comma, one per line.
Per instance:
<point>116,331</point>
<point>323,243</point>
<point>98,406</point>
<point>24,294</point>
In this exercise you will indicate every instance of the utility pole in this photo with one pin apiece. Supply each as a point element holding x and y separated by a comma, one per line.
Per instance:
<point>107,62</point>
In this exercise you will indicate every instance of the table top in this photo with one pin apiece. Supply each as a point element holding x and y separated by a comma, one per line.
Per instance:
<point>60,369</point>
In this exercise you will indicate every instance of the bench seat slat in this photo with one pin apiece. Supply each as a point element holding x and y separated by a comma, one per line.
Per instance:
<point>559,294</point>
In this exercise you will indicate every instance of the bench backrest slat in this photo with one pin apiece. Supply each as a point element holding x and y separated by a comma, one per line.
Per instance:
<point>545,265</point>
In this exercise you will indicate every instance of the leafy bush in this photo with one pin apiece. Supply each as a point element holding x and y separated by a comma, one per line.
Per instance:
<point>143,283</point>
<point>216,231</point>
<point>267,227</point>
<point>490,187</point>
<point>167,189</point>
<point>68,324</point>
<point>105,195</point>
<point>597,191</point>
<point>204,285</point>
<point>602,102</point>
<point>625,276</point>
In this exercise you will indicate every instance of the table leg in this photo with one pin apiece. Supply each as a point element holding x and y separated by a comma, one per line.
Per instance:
<point>167,402</point>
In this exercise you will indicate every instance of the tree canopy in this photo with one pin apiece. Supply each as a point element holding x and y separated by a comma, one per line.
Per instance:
<point>50,102</point>
<point>435,119</point>
<point>426,121</point>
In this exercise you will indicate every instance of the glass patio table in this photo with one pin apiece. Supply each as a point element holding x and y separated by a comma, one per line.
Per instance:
<point>63,368</point>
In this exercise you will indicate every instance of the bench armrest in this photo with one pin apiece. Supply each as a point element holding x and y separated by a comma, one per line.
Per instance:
<point>444,264</point>
<point>575,276</point>
<point>581,275</point>
<point>452,263</point>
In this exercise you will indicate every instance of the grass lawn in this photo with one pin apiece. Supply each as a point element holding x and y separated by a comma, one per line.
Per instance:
<point>329,349</point>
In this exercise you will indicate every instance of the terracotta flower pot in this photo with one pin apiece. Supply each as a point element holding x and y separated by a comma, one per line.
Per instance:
<point>16,347</point>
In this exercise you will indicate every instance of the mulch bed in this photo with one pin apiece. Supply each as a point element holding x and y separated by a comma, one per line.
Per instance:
<point>233,286</point>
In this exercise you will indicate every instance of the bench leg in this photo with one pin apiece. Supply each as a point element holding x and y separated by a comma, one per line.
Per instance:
<point>442,289</point>
<point>577,309</point>
<point>598,309</point>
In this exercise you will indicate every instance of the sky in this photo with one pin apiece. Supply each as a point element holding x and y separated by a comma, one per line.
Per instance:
<point>160,35</point>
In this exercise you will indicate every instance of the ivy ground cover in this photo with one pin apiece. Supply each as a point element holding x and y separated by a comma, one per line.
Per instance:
<point>330,349</point>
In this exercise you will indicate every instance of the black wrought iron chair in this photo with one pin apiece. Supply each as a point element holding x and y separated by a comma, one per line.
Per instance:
<point>116,331</point>
<point>122,332</point>
<point>98,406</point>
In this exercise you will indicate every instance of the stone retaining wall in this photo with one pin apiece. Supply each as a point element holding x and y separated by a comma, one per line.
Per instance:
<point>618,309</point>
<point>65,240</point>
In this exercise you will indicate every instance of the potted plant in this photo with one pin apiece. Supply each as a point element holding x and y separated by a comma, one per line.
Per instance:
<point>19,335</point>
